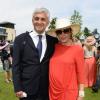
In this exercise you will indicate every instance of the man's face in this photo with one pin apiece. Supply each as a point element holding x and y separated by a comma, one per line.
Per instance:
<point>40,22</point>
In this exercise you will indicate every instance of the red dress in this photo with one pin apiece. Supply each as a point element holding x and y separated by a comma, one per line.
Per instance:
<point>66,72</point>
<point>90,71</point>
<point>90,66</point>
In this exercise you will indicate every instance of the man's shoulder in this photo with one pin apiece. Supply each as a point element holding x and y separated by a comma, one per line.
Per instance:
<point>22,35</point>
<point>21,38</point>
<point>51,37</point>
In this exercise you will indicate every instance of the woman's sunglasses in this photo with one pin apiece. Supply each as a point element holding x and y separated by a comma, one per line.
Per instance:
<point>65,31</point>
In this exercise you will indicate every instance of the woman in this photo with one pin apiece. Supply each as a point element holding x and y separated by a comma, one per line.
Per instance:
<point>6,61</point>
<point>90,61</point>
<point>66,65</point>
<point>2,47</point>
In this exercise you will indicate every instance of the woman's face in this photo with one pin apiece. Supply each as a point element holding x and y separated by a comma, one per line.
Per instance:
<point>90,40</point>
<point>64,35</point>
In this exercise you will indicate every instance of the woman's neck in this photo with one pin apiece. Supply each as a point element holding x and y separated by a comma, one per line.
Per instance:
<point>70,42</point>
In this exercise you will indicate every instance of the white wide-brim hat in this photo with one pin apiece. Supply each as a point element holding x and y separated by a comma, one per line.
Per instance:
<point>65,22</point>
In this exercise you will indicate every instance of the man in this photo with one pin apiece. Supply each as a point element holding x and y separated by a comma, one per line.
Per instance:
<point>30,66</point>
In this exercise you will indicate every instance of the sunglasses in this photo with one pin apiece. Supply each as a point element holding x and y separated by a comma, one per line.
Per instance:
<point>65,31</point>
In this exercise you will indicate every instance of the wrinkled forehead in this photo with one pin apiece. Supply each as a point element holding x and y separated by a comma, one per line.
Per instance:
<point>40,14</point>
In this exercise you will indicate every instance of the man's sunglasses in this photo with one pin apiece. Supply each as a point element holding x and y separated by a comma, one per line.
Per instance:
<point>65,31</point>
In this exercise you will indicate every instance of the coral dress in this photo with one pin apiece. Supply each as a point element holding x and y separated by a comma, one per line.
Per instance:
<point>66,71</point>
<point>90,68</point>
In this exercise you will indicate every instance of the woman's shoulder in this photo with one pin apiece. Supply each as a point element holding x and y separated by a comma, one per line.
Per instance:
<point>78,48</point>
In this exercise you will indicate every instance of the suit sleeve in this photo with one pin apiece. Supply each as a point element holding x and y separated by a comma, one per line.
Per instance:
<point>80,65</point>
<point>16,72</point>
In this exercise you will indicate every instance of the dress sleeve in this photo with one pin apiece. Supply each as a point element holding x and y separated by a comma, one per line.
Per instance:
<point>80,65</point>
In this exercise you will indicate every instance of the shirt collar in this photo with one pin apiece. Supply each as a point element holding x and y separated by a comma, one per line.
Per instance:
<point>35,34</point>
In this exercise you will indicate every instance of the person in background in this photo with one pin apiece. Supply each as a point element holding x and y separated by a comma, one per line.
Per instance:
<point>6,61</point>
<point>31,55</point>
<point>66,70</point>
<point>90,52</point>
<point>3,45</point>
<point>96,86</point>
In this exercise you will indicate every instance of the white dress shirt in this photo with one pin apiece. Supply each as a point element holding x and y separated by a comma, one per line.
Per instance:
<point>35,38</point>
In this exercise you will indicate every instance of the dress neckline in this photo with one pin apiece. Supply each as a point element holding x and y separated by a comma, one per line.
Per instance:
<point>66,45</point>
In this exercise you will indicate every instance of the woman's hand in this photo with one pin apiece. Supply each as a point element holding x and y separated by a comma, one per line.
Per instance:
<point>80,98</point>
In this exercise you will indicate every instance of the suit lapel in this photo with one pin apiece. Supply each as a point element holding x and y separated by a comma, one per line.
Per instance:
<point>30,42</point>
<point>48,48</point>
<point>32,45</point>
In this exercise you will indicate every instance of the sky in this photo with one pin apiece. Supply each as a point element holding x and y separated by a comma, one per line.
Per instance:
<point>20,12</point>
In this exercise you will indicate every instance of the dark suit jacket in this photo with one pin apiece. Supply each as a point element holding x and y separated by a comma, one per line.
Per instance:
<point>29,74</point>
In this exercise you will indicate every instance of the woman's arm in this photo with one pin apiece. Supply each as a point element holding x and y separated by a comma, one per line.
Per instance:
<point>81,93</point>
<point>2,47</point>
<point>80,72</point>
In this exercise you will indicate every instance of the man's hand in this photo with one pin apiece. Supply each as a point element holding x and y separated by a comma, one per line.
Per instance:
<point>19,94</point>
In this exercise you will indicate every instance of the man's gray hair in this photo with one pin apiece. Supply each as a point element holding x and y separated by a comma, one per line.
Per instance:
<point>40,10</point>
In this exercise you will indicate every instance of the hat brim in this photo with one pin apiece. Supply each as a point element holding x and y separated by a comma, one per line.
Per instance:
<point>75,28</point>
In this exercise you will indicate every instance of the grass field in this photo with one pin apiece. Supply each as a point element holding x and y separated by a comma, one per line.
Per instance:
<point>7,93</point>
<point>6,90</point>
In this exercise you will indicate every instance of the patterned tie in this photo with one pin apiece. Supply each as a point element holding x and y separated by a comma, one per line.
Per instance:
<point>39,45</point>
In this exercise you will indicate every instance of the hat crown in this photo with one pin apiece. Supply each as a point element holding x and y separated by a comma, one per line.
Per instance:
<point>61,23</point>
<point>65,22</point>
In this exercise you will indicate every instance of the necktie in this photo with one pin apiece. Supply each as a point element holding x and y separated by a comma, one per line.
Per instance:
<point>39,45</point>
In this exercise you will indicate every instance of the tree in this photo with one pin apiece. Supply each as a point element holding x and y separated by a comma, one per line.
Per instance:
<point>52,24</point>
<point>76,18</point>
<point>86,31</point>
<point>95,31</point>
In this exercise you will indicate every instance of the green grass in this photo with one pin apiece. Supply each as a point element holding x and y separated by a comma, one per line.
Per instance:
<point>7,93</point>
<point>6,89</point>
<point>89,95</point>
